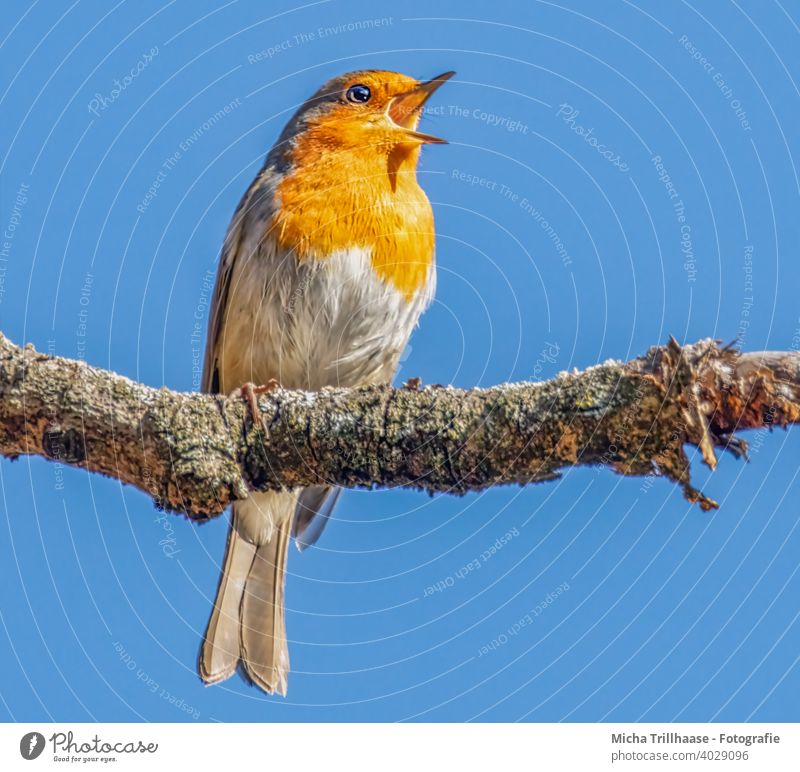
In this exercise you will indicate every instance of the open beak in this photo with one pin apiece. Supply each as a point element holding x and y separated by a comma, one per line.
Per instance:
<point>404,109</point>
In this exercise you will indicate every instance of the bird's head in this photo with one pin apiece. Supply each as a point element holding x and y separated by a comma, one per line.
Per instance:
<point>369,110</point>
<point>345,175</point>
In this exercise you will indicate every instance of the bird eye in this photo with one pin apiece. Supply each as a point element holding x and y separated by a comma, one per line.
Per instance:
<point>358,93</point>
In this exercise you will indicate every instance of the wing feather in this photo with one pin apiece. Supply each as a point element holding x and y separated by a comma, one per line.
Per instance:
<point>213,382</point>
<point>314,508</point>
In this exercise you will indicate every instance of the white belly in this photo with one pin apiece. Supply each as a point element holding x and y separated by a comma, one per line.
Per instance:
<point>315,324</point>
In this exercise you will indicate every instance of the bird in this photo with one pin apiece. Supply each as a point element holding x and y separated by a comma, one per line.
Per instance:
<point>325,269</point>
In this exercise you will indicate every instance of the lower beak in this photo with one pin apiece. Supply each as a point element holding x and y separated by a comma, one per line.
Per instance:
<point>404,109</point>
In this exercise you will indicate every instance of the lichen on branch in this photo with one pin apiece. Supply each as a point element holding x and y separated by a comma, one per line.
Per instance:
<point>195,453</point>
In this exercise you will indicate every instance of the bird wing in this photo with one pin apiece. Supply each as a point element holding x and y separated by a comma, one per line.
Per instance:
<point>212,379</point>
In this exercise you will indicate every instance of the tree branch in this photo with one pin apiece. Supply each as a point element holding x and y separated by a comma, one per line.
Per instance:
<point>196,453</point>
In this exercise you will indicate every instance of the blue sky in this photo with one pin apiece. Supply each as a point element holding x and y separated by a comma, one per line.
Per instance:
<point>617,173</point>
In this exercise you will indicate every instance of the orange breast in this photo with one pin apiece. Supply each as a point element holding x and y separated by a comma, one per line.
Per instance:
<point>335,199</point>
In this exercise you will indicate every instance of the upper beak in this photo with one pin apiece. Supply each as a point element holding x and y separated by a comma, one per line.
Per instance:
<point>404,109</point>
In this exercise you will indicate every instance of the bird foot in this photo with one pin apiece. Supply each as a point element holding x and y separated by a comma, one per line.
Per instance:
<point>250,393</point>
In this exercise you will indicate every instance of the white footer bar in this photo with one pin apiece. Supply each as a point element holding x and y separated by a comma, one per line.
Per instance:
<point>401,747</point>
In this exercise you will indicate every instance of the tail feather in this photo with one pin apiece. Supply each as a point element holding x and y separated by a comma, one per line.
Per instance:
<point>220,653</point>
<point>247,623</point>
<point>265,655</point>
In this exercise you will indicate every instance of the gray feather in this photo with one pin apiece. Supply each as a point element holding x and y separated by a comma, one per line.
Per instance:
<point>314,508</point>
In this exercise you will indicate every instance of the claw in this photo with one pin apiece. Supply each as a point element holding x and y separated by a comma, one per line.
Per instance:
<point>250,393</point>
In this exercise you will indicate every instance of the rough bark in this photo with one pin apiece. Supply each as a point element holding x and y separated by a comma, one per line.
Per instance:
<point>196,453</point>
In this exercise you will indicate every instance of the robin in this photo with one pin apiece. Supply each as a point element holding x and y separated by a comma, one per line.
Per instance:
<point>325,269</point>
